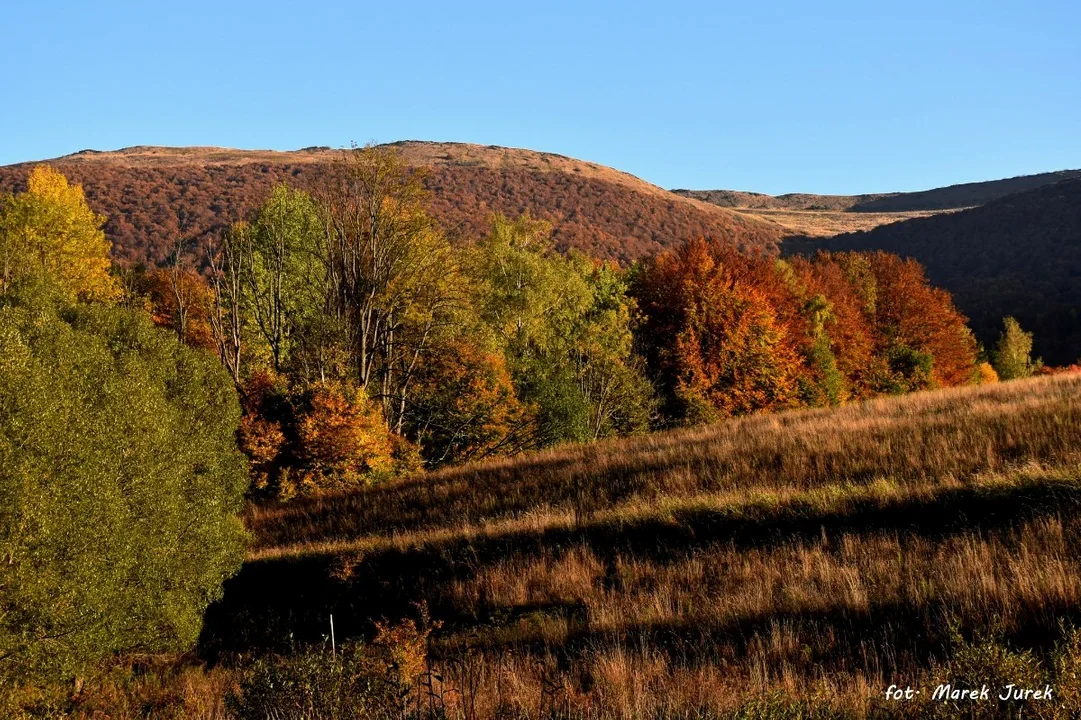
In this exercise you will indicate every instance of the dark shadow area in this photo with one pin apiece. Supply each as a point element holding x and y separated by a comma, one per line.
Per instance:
<point>272,604</point>
<point>903,637</point>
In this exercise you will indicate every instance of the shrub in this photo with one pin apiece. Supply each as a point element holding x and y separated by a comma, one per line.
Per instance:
<point>380,680</point>
<point>985,374</point>
<point>314,684</point>
<point>343,439</point>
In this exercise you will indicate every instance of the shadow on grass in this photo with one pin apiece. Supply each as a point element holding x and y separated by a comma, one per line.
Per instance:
<point>277,603</point>
<point>898,636</point>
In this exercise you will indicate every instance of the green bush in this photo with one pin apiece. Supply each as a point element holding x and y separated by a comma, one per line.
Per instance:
<point>120,487</point>
<point>987,661</point>
<point>306,685</point>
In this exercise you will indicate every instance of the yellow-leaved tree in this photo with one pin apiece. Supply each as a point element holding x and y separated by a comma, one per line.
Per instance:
<point>50,231</point>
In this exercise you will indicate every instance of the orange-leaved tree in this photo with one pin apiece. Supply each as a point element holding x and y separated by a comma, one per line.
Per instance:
<point>181,300</point>
<point>919,326</point>
<point>342,438</point>
<point>465,405</point>
<point>264,399</point>
<point>715,342</point>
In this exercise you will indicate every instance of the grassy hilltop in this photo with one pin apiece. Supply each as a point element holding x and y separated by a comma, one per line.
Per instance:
<point>815,556</point>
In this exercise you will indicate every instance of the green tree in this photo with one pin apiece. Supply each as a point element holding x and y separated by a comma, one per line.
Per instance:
<point>824,384</point>
<point>528,297</point>
<point>564,326</point>
<point>610,375</point>
<point>1012,356</point>
<point>120,486</point>
<point>284,275</point>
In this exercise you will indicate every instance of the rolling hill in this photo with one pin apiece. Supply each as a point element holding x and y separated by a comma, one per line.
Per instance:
<point>153,195</point>
<point>1018,255</point>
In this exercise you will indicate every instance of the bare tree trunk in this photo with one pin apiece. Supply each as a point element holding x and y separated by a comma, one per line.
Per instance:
<point>181,299</point>
<point>226,321</point>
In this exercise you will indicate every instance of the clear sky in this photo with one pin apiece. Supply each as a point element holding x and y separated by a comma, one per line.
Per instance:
<point>785,96</point>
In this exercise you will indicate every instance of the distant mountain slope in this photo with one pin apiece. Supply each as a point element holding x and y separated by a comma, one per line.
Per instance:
<point>152,195</point>
<point>952,197</point>
<point>789,201</point>
<point>812,215</point>
<point>1019,255</point>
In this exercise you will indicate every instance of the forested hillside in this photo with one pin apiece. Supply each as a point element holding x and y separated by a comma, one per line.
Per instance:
<point>153,196</point>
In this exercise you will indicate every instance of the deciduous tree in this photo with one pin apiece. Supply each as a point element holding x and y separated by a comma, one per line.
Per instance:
<point>716,344</point>
<point>390,271</point>
<point>1012,356</point>
<point>49,230</point>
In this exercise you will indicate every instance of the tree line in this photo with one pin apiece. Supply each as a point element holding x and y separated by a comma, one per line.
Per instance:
<point>364,344</point>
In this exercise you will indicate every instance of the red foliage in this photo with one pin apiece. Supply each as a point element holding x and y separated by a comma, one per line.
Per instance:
<point>727,333</point>
<point>182,302</point>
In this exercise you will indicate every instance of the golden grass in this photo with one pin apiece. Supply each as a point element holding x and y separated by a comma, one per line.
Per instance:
<point>827,223</point>
<point>815,556</point>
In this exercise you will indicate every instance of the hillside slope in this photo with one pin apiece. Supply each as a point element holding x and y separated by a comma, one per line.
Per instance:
<point>821,554</point>
<point>951,197</point>
<point>152,195</point>
<point>1019,255</point>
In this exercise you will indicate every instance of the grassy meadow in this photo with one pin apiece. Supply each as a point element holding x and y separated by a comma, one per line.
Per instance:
<point>762,567</point>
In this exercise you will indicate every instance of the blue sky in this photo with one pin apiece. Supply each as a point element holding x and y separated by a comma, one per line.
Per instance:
<point>833,97</point>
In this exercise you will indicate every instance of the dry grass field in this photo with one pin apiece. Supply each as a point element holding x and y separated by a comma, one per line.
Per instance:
<point>827,223</point>
<point>764,567</point>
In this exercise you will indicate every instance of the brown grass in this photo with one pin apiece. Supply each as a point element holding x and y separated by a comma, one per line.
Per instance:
<point>827,223</point>
<point>813,557</point>
<point>933,436</point>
